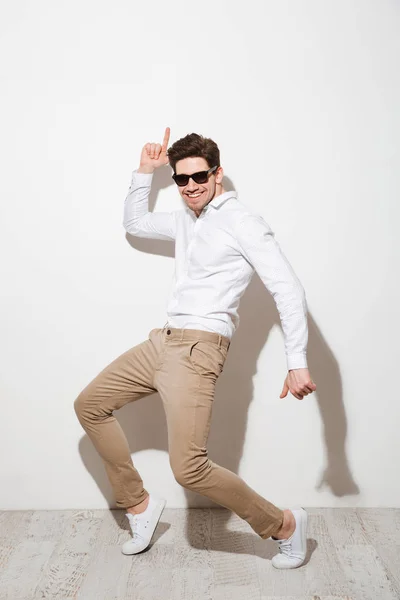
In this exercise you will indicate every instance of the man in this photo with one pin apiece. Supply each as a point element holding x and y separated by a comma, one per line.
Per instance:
<point>219,243</point>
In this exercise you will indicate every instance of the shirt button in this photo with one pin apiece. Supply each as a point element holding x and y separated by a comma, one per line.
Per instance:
<point>168,331</point>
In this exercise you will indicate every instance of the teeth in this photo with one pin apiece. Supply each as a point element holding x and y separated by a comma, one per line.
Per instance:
<point>194,195</point>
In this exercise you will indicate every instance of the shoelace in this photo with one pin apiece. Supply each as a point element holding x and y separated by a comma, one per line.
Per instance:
<point>134,523</point>
<point>285,546</point>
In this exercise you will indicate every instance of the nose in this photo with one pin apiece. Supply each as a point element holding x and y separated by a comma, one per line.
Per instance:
<point>192,186</point>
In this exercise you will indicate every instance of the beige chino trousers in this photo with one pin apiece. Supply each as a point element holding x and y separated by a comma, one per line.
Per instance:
<point>183,366</point>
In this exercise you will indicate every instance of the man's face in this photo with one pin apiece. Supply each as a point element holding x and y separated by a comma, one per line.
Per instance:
<point>197,195</point>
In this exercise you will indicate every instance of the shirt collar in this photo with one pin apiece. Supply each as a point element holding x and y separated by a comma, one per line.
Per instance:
<point>218,200</point>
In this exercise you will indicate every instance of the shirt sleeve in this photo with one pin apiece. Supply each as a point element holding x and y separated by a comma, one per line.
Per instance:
<point>258,245</point>
<point>138,221</point>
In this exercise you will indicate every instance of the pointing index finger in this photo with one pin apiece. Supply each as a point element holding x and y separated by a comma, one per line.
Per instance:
<point>166,139</point>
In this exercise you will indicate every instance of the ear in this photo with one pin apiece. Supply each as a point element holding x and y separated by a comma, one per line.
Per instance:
<point>219,175</point>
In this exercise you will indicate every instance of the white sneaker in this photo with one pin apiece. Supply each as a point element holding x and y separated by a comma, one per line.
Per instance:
<point>292,551</point>
<point>143,526</point>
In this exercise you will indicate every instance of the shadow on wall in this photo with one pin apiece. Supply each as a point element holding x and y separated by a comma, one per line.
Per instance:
<point>146,428</point>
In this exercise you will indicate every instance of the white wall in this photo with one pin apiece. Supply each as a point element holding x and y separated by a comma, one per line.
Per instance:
<point>303,101</point>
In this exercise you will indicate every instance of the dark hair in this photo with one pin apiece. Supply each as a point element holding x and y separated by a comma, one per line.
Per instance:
<point>194,145</point>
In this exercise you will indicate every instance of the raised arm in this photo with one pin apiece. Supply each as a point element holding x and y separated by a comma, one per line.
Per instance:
<point>138,221</point>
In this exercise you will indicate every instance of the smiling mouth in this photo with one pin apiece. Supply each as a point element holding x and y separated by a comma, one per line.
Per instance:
<point>197,195</point>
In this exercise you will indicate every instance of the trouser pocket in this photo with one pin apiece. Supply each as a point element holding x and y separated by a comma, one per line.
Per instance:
<point>207,358</point>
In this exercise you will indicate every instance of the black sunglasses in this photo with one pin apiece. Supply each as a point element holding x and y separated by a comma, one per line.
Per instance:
<point>199,177</point>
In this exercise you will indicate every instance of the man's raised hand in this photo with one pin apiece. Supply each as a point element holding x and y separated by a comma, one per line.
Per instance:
<point>154,155</point>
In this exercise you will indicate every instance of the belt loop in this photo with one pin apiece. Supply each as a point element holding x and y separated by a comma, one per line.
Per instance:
<point>182,334</point>
<point>219,341</point>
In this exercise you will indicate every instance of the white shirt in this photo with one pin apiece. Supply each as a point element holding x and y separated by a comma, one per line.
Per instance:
<point>216,255</point>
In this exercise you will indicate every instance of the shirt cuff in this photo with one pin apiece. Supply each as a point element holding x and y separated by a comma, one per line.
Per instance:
<point>297,361</point>
<point>144,178</point>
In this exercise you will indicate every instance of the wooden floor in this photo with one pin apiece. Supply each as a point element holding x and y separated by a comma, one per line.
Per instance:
<point>199,554</point>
